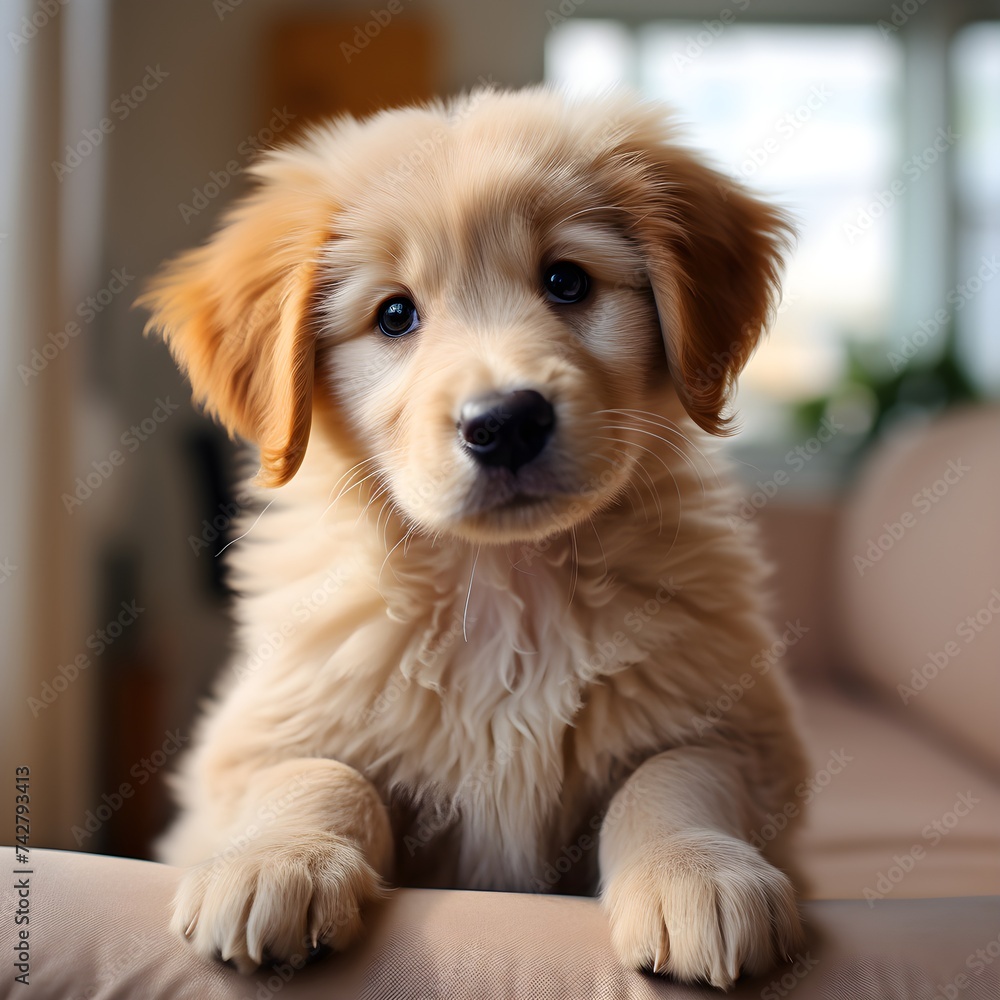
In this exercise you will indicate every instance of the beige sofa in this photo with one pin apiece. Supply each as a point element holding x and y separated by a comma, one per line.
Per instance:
<point>893,623</point>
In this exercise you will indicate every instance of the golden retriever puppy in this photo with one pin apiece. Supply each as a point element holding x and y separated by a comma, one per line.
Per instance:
<point>495,630</point>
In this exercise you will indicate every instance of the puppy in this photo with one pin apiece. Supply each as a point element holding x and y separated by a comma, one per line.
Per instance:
<point>495,630</point>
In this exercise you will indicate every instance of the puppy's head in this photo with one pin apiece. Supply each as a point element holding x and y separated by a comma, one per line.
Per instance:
<point>477,297</point>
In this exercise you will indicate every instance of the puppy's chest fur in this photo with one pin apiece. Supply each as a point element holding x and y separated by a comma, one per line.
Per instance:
<point>476,734</point>
<point>496,697</point>
<point>459,684</point>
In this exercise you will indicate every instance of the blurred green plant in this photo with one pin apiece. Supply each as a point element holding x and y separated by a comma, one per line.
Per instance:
<point>872,397</point>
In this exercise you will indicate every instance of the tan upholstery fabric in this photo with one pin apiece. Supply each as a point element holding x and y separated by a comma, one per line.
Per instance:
<point>919,568</point>
<point>799,537</point>
<point>98,930</point>
<point>876,812</point>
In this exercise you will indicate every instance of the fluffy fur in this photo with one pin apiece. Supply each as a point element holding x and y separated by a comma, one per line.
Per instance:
<point>455,676</point>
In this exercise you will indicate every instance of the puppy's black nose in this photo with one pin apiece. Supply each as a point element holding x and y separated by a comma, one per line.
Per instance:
<point>507,430</point>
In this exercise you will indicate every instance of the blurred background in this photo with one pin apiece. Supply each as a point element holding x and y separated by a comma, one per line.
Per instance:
<point>127,128</point>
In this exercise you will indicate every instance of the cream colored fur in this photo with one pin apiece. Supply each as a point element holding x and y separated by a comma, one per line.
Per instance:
<point>437,688</point>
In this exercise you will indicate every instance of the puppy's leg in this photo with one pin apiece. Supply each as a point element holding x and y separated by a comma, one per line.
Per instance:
<point>684,891</point>
<point>310,847</point>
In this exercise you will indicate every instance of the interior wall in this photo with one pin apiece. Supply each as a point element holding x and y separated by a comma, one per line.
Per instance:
<point>28,252</point>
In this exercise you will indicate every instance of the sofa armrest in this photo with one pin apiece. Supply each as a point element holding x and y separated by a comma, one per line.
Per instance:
<point>98,929</point>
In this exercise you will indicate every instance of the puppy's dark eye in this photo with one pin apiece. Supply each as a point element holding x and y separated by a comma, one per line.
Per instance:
<point>397,316</point>
<point>565,282</point>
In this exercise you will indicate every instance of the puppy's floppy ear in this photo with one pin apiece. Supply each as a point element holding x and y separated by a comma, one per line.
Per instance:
<point>715,256</point>
<point>237,313</point>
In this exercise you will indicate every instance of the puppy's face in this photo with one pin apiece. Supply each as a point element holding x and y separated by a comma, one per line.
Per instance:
<point>478,295</point>
<point>480,322</point>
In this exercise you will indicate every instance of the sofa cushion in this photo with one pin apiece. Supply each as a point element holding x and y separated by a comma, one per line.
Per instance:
<point>890,813</point>
<point>919,574</point>
<point>98,929</point>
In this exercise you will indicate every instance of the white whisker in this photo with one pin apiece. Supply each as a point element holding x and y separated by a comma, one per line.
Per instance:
<point>600,544</point>
<point>670,444</point>
<point>348,488</point>
<point>378,579</point>
<point>245,533</point>
<point>465,614</point>
<point>576,566</point>
<point>668,425</point>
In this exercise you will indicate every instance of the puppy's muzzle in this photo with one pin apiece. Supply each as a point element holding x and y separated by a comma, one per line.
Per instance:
<point>506,430</point>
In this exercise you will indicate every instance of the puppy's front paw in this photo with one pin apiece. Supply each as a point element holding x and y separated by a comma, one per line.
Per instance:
<point>702,906</point>
<point>276,898</point>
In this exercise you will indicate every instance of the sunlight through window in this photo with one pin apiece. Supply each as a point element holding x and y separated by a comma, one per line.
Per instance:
<point>809,118</point>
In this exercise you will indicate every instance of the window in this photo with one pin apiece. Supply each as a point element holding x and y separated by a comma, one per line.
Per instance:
<point>810,117</point>
<point>975,298</point>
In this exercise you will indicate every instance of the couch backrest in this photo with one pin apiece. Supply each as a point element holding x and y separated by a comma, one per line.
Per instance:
<point>917,567</point>
<point>799,538</point>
